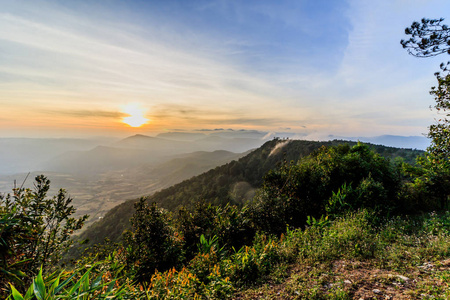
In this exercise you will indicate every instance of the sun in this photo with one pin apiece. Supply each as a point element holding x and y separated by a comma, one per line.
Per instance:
<point>136,114</point>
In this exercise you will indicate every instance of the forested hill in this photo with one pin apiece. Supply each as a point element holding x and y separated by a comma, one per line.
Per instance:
<point>234,182</point>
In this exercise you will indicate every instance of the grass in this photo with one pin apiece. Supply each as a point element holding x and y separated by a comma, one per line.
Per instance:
<point>403,258</point>
<point>352,257</point>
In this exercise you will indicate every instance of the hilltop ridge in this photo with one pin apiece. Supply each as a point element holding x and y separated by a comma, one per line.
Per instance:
<point>234,182</point>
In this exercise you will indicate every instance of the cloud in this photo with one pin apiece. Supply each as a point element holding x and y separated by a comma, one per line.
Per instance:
<point>216,129</point>
<point>240,65</point>
<point>86,60</point>
<point>86,113</point>
<point>268,135</point>
<point>278,147</point>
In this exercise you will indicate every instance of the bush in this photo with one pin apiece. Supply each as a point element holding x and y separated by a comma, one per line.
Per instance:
<point>71,285</point>
<point>154,244</point>
<point>251,264</point>
<point>34,232</point>
<point>430,186</point>
<point>331,180</point>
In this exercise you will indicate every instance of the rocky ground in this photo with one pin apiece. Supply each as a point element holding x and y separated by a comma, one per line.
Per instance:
<point>358,280</point>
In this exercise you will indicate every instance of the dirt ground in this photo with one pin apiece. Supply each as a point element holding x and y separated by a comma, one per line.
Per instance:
<point>358,280</point>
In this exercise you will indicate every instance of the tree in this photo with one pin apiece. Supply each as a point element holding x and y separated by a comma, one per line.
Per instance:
<point>428,38</point>
<point>431,38</point>
<point>154,244</point>
<point>34,231</point>
<point>440,132</point>
<point>295,191</point>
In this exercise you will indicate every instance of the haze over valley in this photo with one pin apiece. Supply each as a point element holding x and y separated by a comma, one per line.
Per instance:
<point>100,174</point>
<point>104,172</point>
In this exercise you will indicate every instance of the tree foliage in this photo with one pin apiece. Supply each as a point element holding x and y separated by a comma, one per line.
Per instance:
<point>440,132</point>
<point>153,244</point>
<point>429,37</point>
<point>362,178</point>
<point>34,230</point>
<point>219,187</point>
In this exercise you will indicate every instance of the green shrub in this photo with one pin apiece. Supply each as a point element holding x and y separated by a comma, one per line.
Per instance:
<point>184,284</point>
<point>154,244</point>
<point>332,180</point>
<point>71,285</point>
<point>251,264</point>
<point>34,232</point>
<point>429,189</point>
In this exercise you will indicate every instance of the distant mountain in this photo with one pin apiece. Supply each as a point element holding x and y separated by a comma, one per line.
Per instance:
<point>154,144</point>
<point>249,134</point>
<point>233,182</point>
<point>225,133</point>
<point>182,136</point>
<point>410,142</point>
<point>26,154</point>
<point>98,160</point>
<point>139,150</point>
<point>212,143</point>
<point>147,179</point>
<point>172,147</point>
<point>407,142</point>
<point>96,156</point>
<point>179,169</point>
<point>97,194</point>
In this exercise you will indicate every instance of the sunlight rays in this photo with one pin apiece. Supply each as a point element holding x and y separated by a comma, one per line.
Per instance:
<point>136,114</point>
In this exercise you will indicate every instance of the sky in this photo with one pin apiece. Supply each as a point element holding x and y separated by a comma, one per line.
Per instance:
<point>308,67</point>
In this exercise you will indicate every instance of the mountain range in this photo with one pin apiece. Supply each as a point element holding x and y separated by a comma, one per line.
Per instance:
<point>97,155</point>
<point>234,182</point>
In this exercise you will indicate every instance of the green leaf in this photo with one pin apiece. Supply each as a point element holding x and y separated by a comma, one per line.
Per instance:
<point>96,282</point>
<point>39,286</point>
<point>110,287</point>
<point>11,274</point>
<point>18,263</point>
<point>74,288</point>
<point>63,284</point>
<point>15,293</point>
<point>85,281</point>
<point>29,293</point>
<point>54,285</point>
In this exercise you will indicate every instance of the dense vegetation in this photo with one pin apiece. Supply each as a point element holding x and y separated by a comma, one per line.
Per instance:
<point>35,231</point>
<point>336,221</point>
<point>232,183</point>
<point>214,250</point>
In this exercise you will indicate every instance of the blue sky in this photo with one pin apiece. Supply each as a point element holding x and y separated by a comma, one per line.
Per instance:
<point>68,68</point>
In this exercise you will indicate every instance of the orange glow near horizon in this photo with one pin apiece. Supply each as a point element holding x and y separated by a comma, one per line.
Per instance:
<point>136,114</point>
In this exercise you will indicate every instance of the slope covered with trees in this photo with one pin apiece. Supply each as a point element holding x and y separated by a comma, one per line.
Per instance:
<point>233,183</point>
<point>335,204</point>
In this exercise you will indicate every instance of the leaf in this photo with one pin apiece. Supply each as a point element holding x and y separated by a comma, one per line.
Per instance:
<point>39,286</point>
<point>15,293</point>
<point>74,288</point>
<point>85,281</point>
<point>29,293</point>
<point>63,284</point>
<point>96,282</point>
<point>54,285</point>
<point>110,287</point>
<point>12,274</point>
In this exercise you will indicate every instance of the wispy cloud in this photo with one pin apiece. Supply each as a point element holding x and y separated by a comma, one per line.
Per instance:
<point>289,64</point>
<point>120,66</point>
<point>86,113</point>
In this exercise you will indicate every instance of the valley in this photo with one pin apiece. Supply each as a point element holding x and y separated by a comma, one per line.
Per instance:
<point>102,177</point>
